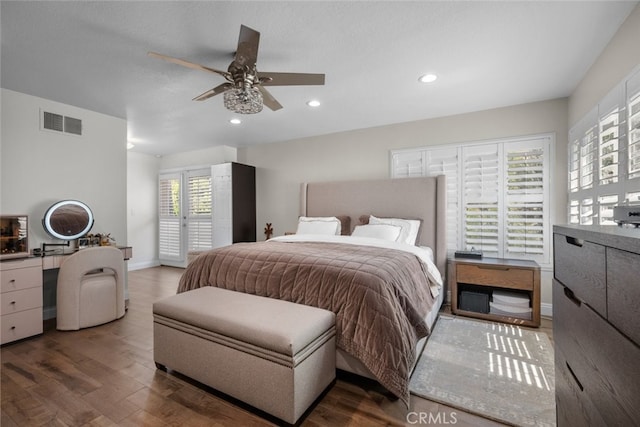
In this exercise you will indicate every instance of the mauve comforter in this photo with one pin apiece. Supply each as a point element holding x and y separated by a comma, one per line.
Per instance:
<point>380,296</point>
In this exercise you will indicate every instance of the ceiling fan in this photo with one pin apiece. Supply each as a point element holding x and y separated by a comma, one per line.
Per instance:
<point>244,91</point>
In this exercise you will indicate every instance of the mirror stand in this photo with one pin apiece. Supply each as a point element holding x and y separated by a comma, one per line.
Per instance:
<point>44,245</point>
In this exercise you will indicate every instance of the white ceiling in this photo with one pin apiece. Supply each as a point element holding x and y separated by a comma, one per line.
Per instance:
<point>487,54</point>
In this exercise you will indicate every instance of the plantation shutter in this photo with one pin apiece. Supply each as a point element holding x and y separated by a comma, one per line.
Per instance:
<point>633,135</point>
<point>525,197</point>
<point>481,183</point>
<point>445,162</point>
<point>608,147</point>
<point>497,193</point>
<point>199,220</point>
<point>408,164</point>
<point>583,166</point>
<point>169,216</point>
<point>588,157</point>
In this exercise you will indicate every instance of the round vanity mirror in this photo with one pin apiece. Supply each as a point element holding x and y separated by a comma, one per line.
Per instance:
<point>68,220</point>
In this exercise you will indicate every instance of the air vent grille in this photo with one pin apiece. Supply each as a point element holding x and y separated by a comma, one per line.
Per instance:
<point>73,126</point>
<point>52,121</point>
<point>60,123</point>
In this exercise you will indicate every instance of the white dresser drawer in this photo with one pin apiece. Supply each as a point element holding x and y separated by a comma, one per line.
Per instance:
<point>13,302</point>
<point>20,278</point>
<point>20,325</point>
<point>11,264</point>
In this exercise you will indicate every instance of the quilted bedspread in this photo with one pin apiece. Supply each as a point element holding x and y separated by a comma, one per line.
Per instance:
<point>380,296</point>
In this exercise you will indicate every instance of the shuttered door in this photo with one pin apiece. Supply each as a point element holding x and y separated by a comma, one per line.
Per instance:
<point>199,220</point>
<point>169,217</point>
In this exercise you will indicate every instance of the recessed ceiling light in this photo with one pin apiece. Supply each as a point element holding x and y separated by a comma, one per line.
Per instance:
<point>235,121</point>
<point>428,78</point>
<point>313,103</point>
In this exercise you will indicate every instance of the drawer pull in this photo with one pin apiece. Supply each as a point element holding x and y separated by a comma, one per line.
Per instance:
<point>575,242</point>
<point>12,302</point>
<point>494,267</point>
<point>13,327</point>
<point>574,376</point>
<point>12,281</point>
<point>572,297</point>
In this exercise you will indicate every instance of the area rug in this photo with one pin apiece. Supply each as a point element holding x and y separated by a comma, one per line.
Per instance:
<point>498,371</point>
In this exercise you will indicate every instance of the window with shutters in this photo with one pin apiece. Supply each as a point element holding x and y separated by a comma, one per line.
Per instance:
<point>480,191</point>
<point>634,136</point>
<point>588,157</point>
<point>497,193</point>
<point>445,162</point>
<point>604,156</point>
<point>525,200</point>
<point>609,148</point>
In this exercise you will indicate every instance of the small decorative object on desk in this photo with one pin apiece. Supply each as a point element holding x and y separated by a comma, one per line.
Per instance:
<point>105,239</point>
<point>268,231</point>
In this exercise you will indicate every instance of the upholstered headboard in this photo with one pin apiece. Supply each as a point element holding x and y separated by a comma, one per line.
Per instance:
<point>413,198</point>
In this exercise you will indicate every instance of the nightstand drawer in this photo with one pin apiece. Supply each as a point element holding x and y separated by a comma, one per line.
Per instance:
<point>495,275</point>
<point>604,361</point>
<point>623,292</point>
<point>581,266</point>
<point>12,302</point>
<point>20,325</point>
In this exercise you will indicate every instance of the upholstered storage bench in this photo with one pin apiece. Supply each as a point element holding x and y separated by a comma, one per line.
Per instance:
<point>274,355</point>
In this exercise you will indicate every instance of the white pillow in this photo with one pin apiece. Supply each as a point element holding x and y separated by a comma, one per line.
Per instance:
<point>319,225</point>
<point>410,227</point>
<point>379,231</point>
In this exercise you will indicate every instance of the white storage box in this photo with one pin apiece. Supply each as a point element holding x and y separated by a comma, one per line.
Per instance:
<point>511,311</point>
<point>511,299</point>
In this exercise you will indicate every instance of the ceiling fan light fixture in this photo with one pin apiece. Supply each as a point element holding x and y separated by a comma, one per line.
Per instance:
<point>428,78</point>
<point>243,101</point>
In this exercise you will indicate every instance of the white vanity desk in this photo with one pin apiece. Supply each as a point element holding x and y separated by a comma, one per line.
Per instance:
<point>55,259</point>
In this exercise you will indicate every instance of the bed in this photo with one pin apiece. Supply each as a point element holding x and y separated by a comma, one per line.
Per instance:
<point>385,300</point>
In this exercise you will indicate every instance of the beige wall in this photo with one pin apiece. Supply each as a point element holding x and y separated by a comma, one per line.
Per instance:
<point>619,58</point>
<point>42,167</point>
<point>364,154</point>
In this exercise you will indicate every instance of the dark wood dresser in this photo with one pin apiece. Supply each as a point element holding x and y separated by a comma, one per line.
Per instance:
<point>596,325</point>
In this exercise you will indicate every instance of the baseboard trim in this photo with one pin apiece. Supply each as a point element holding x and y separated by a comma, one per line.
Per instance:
<point>143,264</point>
<point>546,309</point>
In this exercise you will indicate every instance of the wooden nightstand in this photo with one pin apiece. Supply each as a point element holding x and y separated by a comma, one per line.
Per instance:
<point>480,277</point>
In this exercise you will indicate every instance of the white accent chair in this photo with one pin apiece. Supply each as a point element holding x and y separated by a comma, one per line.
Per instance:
<point>90,288</point>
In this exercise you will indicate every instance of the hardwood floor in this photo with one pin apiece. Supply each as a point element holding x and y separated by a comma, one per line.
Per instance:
<point>105,376</point>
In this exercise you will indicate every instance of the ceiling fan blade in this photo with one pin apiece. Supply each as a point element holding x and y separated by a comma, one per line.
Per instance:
<point>290,79</point>
<point>268,99</point>
<point>188,64</point>
<point>247,53</point>
<point>213,92</point>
